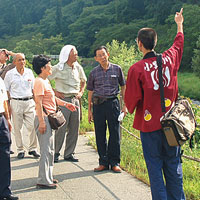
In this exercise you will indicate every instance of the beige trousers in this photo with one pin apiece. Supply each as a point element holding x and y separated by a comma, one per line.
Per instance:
<point>23,114</point>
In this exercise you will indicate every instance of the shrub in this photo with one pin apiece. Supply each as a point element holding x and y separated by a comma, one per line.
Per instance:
<point>123,55</point>
<point>196,58</point>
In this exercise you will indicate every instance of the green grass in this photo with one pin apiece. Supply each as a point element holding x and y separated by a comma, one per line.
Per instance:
<point>85,126</point>
<point>189,85</point>
<point>132,157</point>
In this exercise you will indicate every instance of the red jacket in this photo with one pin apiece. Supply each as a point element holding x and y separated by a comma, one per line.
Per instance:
<point>142,87</point>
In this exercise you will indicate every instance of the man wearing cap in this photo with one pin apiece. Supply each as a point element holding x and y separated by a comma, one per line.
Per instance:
<point>19,84</point>
<point>70,83</point>
<point>5,141</point>
<point>4,56</point>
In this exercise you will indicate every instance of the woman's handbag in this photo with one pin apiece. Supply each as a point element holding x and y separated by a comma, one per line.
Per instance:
<point>56,119</point>
<point>179,122</point>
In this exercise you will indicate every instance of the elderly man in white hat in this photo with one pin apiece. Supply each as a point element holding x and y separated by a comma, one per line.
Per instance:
<point>70,81</point>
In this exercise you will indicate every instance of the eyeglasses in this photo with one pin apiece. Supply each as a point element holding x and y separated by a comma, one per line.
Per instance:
<point>101,55</point>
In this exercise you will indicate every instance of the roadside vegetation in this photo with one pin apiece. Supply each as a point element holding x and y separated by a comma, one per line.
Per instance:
<point>188,83</point>
<point>132,159</point>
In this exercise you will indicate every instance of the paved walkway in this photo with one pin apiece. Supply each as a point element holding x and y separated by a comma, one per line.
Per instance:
<point>77,181</point>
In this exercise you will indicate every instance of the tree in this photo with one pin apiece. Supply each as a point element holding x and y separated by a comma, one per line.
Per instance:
<point>196,58</point>
<point>90,23</point>
<point>24,46</point>
<point>122,55</point>
<point>58,17</point>
<point>191,33</point>
<point>40,45</point>
<point>120,32</point>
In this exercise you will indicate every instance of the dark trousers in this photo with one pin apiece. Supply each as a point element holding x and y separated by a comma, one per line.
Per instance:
<point>5,171</point>
<point>163,160</point>
<point>106,114</point>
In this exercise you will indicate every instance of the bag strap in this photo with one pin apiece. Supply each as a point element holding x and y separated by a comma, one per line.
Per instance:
<point>162,98</point>
<point>44,110</point>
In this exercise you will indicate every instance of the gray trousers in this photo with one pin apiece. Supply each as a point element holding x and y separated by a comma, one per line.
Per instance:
<point>46,142</point>
<point>70,129</point>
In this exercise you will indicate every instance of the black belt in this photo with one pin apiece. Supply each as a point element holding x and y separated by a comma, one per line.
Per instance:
<point>23,99</point>
<point>71,97</point>
<point>112,98</point>
<point>106,98</point>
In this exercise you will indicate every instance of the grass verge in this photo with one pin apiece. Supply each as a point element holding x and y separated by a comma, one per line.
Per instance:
<point>188,84</point>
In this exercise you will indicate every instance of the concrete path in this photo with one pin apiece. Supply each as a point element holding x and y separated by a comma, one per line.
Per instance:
<point>77,181</point>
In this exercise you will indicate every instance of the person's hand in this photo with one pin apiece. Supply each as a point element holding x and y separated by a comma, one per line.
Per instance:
<point>90,116</point>
<point>125,110</point>
<point>42,127</point>
<point>59,94</point>
<point>179,17</point>
<point>71,107</point>
<point>79,95</point>
<point>10,53</point>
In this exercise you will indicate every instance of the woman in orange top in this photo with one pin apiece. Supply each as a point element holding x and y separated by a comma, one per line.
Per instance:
<point>45,97</point>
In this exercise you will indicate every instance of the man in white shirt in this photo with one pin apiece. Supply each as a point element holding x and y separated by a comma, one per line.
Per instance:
<point>19,84</point>
<point>5,141</point>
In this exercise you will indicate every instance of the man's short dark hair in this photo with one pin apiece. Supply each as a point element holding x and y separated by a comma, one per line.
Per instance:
<point>100,48</point>
<point>148,37</point>
<point>39,62</point>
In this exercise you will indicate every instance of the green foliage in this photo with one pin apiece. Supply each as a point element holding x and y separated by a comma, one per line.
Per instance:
<point>25,47</point>
<point>40,45</point>
<point>191,27</point>
<point>90,23</point>
<point>132,156</point>
<point>187,83</point>
<point>120,32</point>
<point>196,58</point>
<point>196,138</point>
<point>122,55</point>
<point>85,126</point>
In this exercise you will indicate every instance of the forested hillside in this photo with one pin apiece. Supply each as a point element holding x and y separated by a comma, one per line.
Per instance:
<point>44,26</point>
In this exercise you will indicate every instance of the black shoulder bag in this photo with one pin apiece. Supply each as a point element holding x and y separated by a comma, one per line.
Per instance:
<point>56,119</point>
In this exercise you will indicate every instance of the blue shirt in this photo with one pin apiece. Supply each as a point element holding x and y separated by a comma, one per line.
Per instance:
<point>106,83</point>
